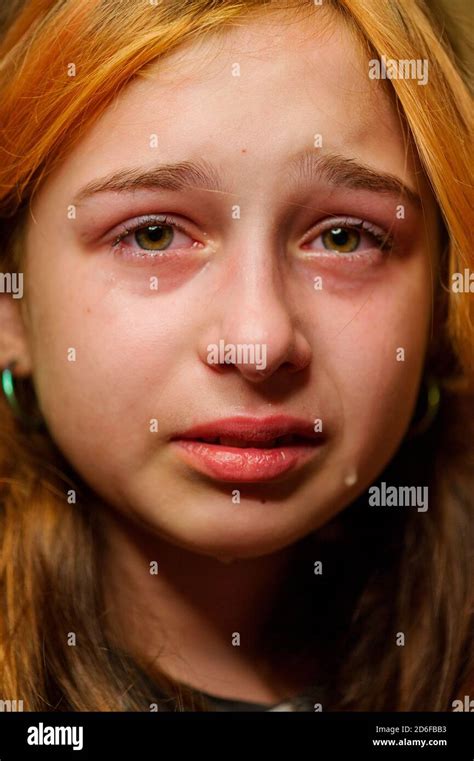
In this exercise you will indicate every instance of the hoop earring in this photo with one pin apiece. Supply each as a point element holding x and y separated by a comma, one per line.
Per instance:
<point>432,405</point>
<point>8,387</point>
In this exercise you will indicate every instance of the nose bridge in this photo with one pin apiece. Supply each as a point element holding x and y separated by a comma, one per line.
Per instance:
<point>252,318</point>
<point>256,288</point>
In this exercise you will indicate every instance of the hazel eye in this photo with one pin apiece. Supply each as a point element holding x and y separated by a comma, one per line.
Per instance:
<point>348,239</point>
<point>154,237</point>
<point>341,239</point>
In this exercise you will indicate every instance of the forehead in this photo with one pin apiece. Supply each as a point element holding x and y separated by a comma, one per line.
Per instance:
<point>248,97</point>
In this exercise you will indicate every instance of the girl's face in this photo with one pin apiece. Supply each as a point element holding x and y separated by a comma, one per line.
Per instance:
<point>292,143</point>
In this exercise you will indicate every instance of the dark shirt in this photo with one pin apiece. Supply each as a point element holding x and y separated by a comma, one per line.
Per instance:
<point>312,699</point>
<point>300,703</point>
<point>307,701</point>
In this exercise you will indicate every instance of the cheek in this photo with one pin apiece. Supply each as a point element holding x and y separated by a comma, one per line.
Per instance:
<point>104,363</point>
<point>376,362</point>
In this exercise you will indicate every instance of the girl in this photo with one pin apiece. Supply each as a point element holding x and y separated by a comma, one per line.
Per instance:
<point>236,452</point>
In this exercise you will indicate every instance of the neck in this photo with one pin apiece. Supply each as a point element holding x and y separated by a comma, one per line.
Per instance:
<point>199,619</point>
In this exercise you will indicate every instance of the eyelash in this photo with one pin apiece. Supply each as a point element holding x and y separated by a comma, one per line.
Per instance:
<point>384,239</point>
<point>143,222</point>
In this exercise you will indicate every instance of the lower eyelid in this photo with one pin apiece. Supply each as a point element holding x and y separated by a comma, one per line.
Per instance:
<point>369,256</point>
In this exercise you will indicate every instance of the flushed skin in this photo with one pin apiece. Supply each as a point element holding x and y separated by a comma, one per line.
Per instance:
<point>332,354</point>
<point>123,373</point>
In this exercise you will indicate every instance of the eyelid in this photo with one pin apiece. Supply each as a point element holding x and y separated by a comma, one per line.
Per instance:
<point>353,223</point>
<point>148,220</point>
<point>384,238</point>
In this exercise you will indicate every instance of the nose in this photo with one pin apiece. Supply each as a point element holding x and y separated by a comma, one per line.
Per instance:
<point>252,323</point>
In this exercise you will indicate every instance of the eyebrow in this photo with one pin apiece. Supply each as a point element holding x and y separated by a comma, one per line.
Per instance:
<point>350,173</point>
<point>175,177</point>
<point>306,166</point>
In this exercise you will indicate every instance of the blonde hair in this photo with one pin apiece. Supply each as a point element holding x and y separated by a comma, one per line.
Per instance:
<point>420,585</point>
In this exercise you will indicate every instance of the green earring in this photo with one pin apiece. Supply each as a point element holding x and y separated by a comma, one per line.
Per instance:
<point>432,405</point>
<point>8,387</point>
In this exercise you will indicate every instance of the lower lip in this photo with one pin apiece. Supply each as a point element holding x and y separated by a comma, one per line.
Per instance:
<point>247,465</point>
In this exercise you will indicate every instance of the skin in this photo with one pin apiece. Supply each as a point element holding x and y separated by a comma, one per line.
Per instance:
<point>140,354</point>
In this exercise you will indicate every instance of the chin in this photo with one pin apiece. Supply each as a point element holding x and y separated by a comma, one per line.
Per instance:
<point>229,548</point>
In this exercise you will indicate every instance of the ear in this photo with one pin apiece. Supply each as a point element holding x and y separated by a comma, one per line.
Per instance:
<point>14,345</point>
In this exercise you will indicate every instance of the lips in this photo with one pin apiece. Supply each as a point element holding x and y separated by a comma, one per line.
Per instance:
<point>248,449</point>
<point>234,441</point>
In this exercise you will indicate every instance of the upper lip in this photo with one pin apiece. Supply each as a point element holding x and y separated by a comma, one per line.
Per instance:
<point>251,429</point>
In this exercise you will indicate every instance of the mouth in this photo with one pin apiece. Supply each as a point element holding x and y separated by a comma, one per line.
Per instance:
<point>253,451</point>
<point>290,439</point>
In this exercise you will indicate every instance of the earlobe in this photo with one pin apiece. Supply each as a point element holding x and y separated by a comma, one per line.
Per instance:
<point>14,345</point>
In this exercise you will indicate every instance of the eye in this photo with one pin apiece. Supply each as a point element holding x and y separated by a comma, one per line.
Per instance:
<point>152,237</point>
<point>348,236</point>
<point>341,239</point>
